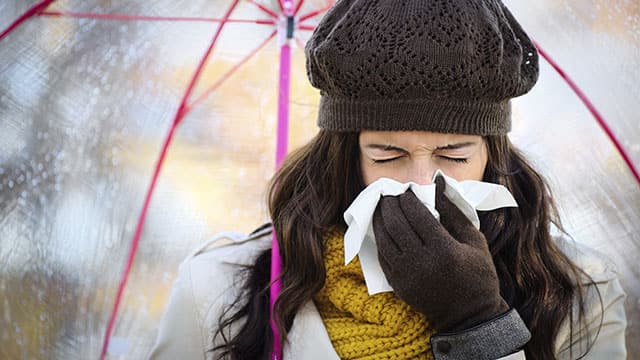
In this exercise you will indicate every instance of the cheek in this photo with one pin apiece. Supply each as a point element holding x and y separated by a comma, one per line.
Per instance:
<point>369,173</point>
<point>475,168</point>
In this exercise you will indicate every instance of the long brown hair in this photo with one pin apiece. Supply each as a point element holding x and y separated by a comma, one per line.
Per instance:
<point>319,181</point>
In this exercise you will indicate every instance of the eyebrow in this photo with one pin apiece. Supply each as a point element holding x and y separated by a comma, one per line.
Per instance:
<point>395,148</point>
<point>456,146</point>
<point>385,147</point>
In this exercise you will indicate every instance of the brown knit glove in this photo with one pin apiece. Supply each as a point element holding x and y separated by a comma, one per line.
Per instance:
<point>442,269</point>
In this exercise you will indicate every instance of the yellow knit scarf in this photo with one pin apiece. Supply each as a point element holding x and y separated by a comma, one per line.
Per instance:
<point>367,327</point>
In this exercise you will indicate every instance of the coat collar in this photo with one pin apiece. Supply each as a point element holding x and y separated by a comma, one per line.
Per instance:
<point>308,338</point>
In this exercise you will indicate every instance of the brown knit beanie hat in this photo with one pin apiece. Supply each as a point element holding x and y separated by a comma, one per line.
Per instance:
<point>437,65</point>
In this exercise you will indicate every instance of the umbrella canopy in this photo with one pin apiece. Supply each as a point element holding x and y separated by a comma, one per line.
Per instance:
<point>90,90</point>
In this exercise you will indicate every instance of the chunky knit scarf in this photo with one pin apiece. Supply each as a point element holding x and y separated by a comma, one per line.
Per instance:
<point>366,327</point>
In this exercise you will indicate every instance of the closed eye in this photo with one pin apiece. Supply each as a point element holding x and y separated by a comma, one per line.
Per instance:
<point>382,161</point>
<point>456,160</point>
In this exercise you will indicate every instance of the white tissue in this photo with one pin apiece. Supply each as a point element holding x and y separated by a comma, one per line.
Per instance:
<point>469,196</point>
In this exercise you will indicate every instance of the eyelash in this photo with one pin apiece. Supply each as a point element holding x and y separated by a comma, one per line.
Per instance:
<point>455,160</point>
<point>382,161</point>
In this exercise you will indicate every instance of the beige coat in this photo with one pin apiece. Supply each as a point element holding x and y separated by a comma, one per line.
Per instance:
<point>207,281</point>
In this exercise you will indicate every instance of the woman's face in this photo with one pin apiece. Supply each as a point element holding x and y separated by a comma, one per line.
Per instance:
<point>415,156</point>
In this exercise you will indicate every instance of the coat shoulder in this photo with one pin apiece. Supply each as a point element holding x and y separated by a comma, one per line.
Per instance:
<point>209,280</point>
<point>593,262</point>
<point>232,248</point>
<point>216,269</point>
<point>601,333</point>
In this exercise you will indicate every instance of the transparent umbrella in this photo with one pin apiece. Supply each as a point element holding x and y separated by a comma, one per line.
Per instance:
<point>89,93</point>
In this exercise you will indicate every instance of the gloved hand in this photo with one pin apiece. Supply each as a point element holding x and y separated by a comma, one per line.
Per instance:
<point>442,269</point>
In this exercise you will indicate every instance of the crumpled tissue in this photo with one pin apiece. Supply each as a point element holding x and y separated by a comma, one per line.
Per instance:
<point>469,196</point>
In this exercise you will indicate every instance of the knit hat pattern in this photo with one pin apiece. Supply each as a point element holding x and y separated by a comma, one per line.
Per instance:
<point>447,66</point>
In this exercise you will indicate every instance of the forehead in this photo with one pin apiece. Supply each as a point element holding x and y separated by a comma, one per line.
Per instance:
<point>414,138</point>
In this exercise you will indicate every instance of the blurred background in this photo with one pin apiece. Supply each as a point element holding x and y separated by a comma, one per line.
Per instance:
<point>85,105</point>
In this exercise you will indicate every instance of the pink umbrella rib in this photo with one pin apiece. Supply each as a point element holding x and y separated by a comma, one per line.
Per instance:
<point>298,6</point>
<point>307,27</point>
<point>34,10</point>
<point>149,18</point>
<point>596,114</point>
<point>228,74</point>
<point>136,238</point>
<point>315,13</point>
<point>264,9</point>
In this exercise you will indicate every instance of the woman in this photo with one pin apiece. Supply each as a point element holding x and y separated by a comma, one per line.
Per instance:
<point>407,88</point>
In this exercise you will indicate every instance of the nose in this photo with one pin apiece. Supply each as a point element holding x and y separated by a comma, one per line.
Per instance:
<point>421,171</point>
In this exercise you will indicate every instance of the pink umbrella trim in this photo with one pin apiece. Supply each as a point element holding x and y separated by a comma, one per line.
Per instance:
<point>35,10</point>
<point>596,114</point>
